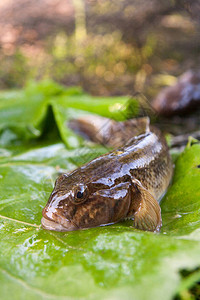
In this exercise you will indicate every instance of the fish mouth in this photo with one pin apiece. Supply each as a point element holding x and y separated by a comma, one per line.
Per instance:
<point>52,225</point>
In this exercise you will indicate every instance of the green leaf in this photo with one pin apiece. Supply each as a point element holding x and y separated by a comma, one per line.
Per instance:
<point>23,114</point>
<point>118,108</point>
<point>110,262</point>
<point>101,263</point>
<point>181,205</point>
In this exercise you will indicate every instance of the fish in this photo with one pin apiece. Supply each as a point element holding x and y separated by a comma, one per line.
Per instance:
<point>126,183</point>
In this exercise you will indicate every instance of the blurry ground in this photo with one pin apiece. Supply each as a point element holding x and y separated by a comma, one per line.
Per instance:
<point>107,47</point>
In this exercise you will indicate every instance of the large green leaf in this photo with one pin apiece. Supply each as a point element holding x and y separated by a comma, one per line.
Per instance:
<point>101,263</point>
<point>24,114</point>
<point>111,262</point>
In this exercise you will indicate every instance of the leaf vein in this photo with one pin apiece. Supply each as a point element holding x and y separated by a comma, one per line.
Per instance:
<point>21,222</point>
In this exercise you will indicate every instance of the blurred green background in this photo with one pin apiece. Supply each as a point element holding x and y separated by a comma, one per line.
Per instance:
<point>107,47</point>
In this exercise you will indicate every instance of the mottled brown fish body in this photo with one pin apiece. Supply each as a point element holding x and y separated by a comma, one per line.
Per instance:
<point>125,183</point>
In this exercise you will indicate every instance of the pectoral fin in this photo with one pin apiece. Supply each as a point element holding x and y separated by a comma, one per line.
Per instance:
<point>148,213</point>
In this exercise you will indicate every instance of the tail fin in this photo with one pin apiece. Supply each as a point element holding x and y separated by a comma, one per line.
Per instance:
<point>108,132</point>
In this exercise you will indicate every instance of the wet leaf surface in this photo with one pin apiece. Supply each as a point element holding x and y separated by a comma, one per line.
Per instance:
<point>111,262</point>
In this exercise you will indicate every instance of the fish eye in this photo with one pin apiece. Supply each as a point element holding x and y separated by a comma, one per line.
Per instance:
<point>80,194</point>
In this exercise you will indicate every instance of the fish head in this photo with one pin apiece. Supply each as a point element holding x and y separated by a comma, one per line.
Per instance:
<point>75,204</point>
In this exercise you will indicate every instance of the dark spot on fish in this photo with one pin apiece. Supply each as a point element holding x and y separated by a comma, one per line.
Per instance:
<point>198,166</point>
